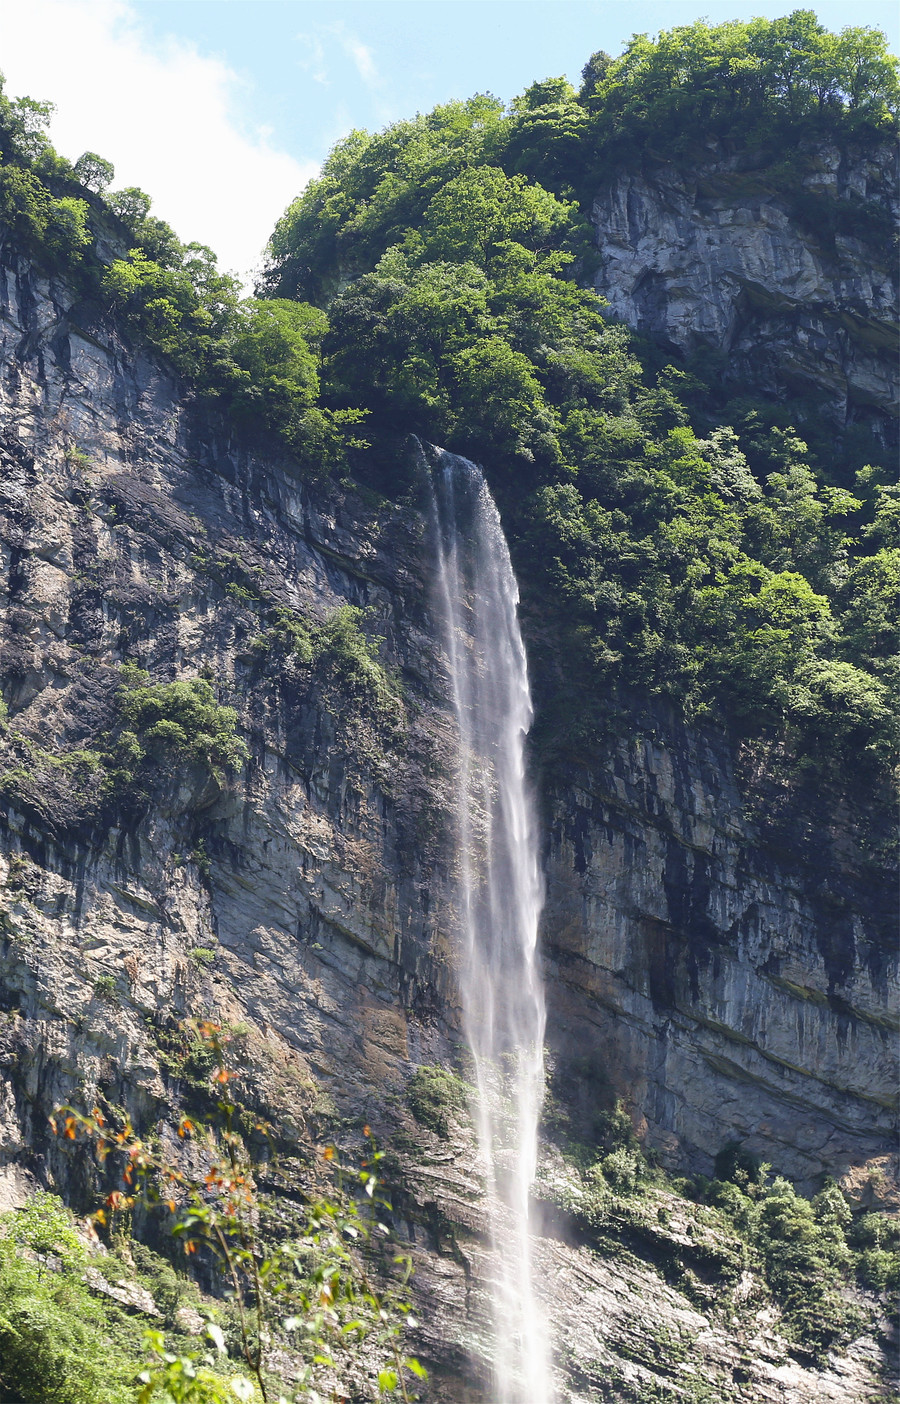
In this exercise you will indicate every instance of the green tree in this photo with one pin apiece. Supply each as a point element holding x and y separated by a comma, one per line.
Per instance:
<point>94,171</point>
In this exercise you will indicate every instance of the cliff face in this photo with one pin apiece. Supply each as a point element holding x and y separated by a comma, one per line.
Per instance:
<point>787,283</point>
<point>734,987</point>
<point>726,990</point>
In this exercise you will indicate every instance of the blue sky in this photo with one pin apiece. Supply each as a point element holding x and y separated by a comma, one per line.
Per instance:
<point>222,109</point>
<point>316,70</point>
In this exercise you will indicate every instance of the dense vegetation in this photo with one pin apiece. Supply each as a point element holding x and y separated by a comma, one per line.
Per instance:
<point>694,544</point>
<point>63,1339</point>
<point>737,555</point>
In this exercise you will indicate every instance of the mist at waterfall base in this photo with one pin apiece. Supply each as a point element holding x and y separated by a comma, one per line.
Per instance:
<point>499,895</point>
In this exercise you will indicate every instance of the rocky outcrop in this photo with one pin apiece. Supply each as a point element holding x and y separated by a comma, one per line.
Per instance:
<point>731,985</point>
<point>724,989</point>
<point>784,279</point>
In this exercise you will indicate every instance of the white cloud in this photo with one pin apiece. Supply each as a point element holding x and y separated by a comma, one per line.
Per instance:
<point>164,114</point>
<point>363,58</point>
<point>315,60</point>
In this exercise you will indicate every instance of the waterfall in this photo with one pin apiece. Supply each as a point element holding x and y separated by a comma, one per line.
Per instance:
<point>500,897</point>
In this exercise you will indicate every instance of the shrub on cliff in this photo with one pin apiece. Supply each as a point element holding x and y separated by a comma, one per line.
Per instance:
<point>435,1097</point>
<point>176,722</point>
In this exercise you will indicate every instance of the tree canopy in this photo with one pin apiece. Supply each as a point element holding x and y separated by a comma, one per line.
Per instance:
<point>734,553</point>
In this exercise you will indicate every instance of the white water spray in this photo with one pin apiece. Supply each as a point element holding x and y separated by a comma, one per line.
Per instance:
<point>500,898</point>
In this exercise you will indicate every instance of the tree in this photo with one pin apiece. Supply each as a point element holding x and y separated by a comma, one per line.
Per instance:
<point>94,172</point>
<point>478,211</point>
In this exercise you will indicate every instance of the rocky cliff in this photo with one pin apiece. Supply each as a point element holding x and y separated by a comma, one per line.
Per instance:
<point>727,988</point>
<point>791,280</point>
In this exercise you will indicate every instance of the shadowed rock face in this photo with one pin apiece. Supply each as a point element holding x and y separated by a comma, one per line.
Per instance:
<point>725,988</point>
<point>718,257</point>
<point>733,990</point>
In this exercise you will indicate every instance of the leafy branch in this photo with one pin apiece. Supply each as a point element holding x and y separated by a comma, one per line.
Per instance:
<point>315,1288</point>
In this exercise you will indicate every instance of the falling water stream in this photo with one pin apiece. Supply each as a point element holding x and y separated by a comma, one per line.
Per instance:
<point>500,896</point>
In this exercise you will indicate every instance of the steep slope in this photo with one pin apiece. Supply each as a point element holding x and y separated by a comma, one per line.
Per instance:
<point>794,290</point>
<point>304,899</point>
<point>226,750</point>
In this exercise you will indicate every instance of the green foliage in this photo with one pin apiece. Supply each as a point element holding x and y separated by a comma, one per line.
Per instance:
<point>338,665</point>
<point>758,80</point>
<point>805,1252</point>
<point>805,1255</point>
<point>715,560</point>
<point>428,282</point>
<point>436,1097</point>
<point>312,1289</point>
<point>176,722</point>
<point>803,1247</point>
<point>349,668</point>
<point>61,787</point>
<point>372,185</point>
<point>58,1344</point>
<point>156,729</point>
<point>260,359</point>
<point>189,1378</point>
<point>783,84</point>
<point>259,362</point>
<point>45,1225</point>
<point>876,1237</point>
<point>93,172</point>
<point>169,1289</point>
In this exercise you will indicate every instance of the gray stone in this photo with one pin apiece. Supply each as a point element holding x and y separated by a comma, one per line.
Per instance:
<point>692,970</point>
<point>715,256</point>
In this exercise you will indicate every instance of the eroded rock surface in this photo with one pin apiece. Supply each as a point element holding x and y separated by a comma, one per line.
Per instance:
<point>796,296</point>
<point>731,990</point>
<point>703,977</point>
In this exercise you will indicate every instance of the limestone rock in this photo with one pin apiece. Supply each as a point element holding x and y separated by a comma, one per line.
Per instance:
<point>720,256</point>
<point>726,990</point>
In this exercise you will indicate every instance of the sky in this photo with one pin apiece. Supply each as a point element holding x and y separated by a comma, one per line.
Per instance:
<point>222,110</point>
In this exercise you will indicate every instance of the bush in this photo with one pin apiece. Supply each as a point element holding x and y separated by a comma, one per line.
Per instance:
<point>877,1239</point>
<point>436,1097</point>
<point>623,1169</point>
<point>106,987</point>
<point>738,1165</point>
<point>45,1225</point>
<point>58,1345</point>
<point>176,721</point>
